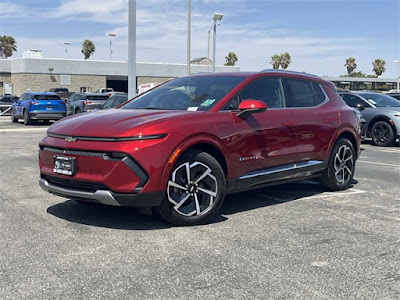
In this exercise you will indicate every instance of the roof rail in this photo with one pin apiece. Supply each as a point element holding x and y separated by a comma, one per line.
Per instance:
<point>289,72</point>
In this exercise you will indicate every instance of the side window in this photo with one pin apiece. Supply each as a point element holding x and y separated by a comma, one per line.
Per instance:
<point>300,93</point>
<point>319,94</point>
<point>353,101</point>
<point>22,98</point>
<point>268,90</point>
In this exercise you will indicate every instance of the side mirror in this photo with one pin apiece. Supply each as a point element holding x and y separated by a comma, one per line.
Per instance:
<point>248,107</point>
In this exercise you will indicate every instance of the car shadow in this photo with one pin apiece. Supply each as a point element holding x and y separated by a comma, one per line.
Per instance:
<point>127,218</point>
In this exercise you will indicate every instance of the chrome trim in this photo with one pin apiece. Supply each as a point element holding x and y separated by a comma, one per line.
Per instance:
<point>285,168</point>
<point>108,139</point>
<point>104,197</point>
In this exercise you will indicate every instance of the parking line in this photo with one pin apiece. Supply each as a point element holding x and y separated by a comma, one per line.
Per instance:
<point>376,163</point>
<point>22,129</point>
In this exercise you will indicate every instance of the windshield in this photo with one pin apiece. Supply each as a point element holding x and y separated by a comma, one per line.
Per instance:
<point>46,97</point>
<point>380,100</point>
<point>189,93</point>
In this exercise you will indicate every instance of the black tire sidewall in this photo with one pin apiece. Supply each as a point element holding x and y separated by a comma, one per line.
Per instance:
<point>390,141</point>
<point>166,209</point>
<point>329,179</point>
<point>27,120</point>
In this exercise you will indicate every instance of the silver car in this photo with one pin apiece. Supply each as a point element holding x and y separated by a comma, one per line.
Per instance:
<point>381,113</point>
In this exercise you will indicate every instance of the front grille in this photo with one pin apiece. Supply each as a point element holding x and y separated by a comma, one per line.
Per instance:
<point>85,186</point>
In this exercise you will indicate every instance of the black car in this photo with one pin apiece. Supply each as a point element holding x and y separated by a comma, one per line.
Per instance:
<point>115,101</point>
<point>394,95</point>
<point>6,102</point>
<point>81,102</point>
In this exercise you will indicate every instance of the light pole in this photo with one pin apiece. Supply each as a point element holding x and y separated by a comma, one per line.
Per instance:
<point>66,44</point>
<point>398,74</point>
<point>217,17</point>
<point>188,37</point>
<point>111,36</point>
<point>208,50</point>
<point>132,49</point>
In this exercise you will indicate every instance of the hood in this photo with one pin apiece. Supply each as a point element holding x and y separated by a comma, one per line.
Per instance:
<point>114,122</point>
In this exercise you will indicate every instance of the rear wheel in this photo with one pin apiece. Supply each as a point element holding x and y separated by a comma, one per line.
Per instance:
<point>341,166</point>
<point>13,118</point>
<point>382,134</point>
<point>195,190</point>
<point>27,119</point>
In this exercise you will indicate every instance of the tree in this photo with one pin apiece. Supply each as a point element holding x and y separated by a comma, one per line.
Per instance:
<point>7,45</point>
<point>275,61</point>
<point>88,48</point>
<point>285,60</point>
<point>379,66</point>
<point>231,59</point>
<point>350,65</point>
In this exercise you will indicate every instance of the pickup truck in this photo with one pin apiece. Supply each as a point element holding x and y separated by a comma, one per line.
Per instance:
<point>81,102</point>
<point>63,93</point>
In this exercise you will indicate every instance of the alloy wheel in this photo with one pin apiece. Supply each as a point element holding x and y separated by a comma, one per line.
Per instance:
<point>380,133</point>
<point>192,189</point>
<point>343,164</point>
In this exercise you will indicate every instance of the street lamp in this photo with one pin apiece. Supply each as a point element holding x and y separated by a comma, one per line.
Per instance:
<point>208,49</point>
<point>188,37</point>
<point>398,74</point>
<point>66,44</point>
<point>217,17</point>
<point>111,36</point>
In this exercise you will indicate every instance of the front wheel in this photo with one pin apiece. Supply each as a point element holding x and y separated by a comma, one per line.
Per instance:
<point>27,119</point>
<point>382,134</point>
<point>195,190</point>
<point>341,166</point>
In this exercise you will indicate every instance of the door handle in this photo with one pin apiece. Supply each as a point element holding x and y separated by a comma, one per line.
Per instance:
<point>288,123</point>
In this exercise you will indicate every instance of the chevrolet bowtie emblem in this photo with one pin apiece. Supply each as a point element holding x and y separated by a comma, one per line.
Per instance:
<point>70,139</point>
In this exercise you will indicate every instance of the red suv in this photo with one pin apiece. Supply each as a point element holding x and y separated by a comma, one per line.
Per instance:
<point>182,146</point>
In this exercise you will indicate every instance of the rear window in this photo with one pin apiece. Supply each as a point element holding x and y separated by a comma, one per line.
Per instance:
<point>46,97</point>
<point>97,97</point>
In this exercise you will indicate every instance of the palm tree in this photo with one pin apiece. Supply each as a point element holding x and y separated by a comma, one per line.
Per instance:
<point>379,66</point>
<point>275,61</point>
<point>7,45</point>
<point>231,59</point>
<point>88,48</point>
<point>350,65</point>
<point>286,60</point>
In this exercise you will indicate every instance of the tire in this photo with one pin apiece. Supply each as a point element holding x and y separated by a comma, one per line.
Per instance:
<point>195,198</point>
<point>382,134</point>
<point>77,111</point>
<point>27,119</point>
<point>341,166</point>
<point>13,118</point>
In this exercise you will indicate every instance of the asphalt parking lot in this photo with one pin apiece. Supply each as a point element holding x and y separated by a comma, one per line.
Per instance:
<point>294,241</point>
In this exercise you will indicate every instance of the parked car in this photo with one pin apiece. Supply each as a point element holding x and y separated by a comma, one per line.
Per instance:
<point>63,93</point>
<point>38,106</point>
<point>394,95</point>
<point>184,145</point>
<point>81,102</point>
<point>114,101</point>
<point>6,101</point>
<point>381,113</point>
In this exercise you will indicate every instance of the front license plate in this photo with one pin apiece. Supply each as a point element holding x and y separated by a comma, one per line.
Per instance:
<point>64,165</point>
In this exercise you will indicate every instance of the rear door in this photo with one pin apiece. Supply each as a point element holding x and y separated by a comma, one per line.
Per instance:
<point>18,106</point>
<point>316,121</point>
<point>265,142</point>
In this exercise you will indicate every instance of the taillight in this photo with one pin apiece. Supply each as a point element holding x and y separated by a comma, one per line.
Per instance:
<point>86,102</point>
<point>33,103</point>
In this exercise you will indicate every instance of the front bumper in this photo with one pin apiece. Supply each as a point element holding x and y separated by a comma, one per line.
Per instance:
<point>105,196</point>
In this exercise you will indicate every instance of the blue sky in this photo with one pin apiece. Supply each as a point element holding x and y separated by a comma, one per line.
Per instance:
<point>319,34</point>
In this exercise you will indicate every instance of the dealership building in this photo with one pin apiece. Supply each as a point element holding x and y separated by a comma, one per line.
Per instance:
<point>18,75</point>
